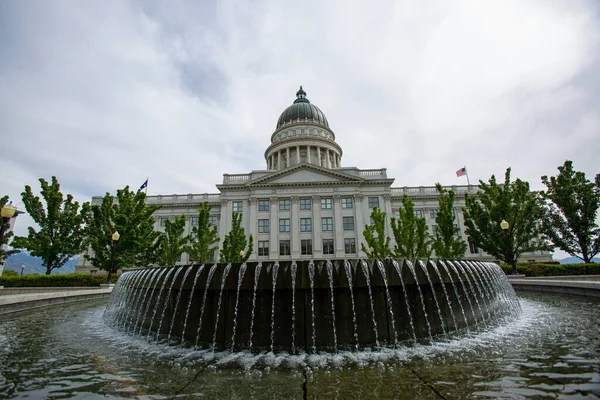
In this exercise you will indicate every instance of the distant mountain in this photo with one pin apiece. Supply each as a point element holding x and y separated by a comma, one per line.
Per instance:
<point>575,260</point>
<point>33,265</point>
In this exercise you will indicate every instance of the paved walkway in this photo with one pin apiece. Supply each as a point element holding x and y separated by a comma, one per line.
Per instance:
<point>19,302</point>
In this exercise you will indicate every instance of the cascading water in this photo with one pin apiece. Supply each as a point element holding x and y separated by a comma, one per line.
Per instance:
<point>308,304</point>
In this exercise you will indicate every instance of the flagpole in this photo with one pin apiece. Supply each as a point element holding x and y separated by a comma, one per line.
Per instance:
<point>467,173</point>
<point>146,193</point>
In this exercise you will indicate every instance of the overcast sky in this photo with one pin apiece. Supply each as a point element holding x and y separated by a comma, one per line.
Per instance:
<point>105,94</point>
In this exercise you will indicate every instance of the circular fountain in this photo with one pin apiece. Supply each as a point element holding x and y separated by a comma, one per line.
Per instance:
<point>310,306</point>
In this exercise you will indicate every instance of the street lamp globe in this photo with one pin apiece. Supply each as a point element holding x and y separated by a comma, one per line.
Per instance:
<point>8,211</point>
<point>116,236</point>
<point>504,225</point>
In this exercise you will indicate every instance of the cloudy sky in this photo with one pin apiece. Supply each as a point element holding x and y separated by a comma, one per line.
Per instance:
<point>105,94</point>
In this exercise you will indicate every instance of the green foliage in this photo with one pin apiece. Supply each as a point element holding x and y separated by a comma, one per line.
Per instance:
<point>171,243</point>
<point>8,272</point>
<point>129,215</point>
<point>513,202</point>
<point>57,280</point>
<point>447,242</point>
<point>378,242</point>
<point>410,233</point>
<point>203,242</point>
<point>535,269</point>
<point>235,243</point>
<point>7,235</point>
<point>61,232</point>
<point>570,208</point>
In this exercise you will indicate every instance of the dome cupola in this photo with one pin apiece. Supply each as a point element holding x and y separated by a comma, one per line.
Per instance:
<point>302,110</point>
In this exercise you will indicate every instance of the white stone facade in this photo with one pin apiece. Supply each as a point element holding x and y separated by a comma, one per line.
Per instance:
<point>305,205</point>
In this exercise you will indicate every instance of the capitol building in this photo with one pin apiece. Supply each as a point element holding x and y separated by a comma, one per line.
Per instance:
<point>305,204</point>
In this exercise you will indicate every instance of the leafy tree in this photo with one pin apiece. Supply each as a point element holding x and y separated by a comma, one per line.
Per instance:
<point>512,202</point>
<point>569,212</point>
<point>235,242</point>
<point>6,238</point>
<point>61,225</point>
<point>447,242</point>
<point>128,214</point>
<point>171,244</point>
<point>410,233</point>
<point>378,242</point>
<point>203,242</point>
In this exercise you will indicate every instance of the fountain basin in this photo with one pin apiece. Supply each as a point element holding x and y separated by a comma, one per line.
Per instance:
<point>313,306</point>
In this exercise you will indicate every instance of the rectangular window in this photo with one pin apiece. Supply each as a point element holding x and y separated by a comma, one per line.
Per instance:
<point>347,202</point>
<point>194,221</point>
<point>433,212</point>
<point>263,205</point>
<point>284,247</point>
<point>284,224</point>
<point>419,213</point>
<point>305,225</point>
<point>472,248</point>
<point>263,226</point>
<point>433,229</point>
<point>373,202</point>
<point>284,205</point>
<point>348,223</point>
<point>306,245</point>
<point>213,219</point>
<point>306,204</point>
<point>327,224</point>
<point>162,220</point>
<point>263,248</point>
<point>349,245</point>
<point>326,204</point>
<point>237,206</point>
<point>328,246</point>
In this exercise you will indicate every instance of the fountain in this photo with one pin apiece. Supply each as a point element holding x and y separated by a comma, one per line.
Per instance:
<point>310,306</point>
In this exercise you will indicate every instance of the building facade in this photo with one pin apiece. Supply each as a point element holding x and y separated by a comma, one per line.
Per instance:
<point>305,204</point>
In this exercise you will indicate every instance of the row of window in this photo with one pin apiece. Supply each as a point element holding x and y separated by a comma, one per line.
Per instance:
<point>419,213</point>
<point>305,204</point>
<point>306,247</point>
<point>213,220</point>
<point>306,224</point>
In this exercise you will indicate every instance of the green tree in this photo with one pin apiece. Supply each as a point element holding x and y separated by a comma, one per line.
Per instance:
<point>61,225</point>
<point>410,233</point>
<point>235,242</point>
<point>128,214</point>
<point>512,202</point>
<point>378,242</point>
<point>570,209</point>
<point>447,242</point>
<point>6,238</point>
<point>204,237</point>
<point>172,244</point>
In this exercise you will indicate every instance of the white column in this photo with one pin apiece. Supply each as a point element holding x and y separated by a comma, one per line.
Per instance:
<point>297,154</point>
<point>317,227</point>
<point>295,228</point>
<point>274,229</point>
<point>287,157</point>
<point>223,222</point>
<point>360,222</point>
<point>279,160</point>
<point>253,228</point>
<point>319,156</point>
<point>339,227</point>
<point>308,152</point>
<point>328,163</point>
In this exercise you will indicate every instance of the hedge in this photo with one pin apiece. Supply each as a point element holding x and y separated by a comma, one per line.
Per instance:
<point>538,269</point>
<point>58,280</point>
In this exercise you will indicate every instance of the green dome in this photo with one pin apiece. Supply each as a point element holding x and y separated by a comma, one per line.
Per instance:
<point>302,109</point>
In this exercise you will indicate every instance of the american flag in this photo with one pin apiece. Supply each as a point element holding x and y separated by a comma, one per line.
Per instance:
<point>461,172</point>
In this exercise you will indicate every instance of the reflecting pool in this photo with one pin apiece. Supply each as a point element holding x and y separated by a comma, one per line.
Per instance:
<point>551,351</point>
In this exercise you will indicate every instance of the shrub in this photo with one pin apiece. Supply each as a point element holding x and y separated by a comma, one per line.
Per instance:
<point>545,269</point>
<point>58,280</point>
<point>8,272</point>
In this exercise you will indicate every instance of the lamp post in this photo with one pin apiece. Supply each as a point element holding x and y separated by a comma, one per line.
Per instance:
<point>7,212</point>
<point>505,225</point>
<point>115,238</point>
<point>22,269</point>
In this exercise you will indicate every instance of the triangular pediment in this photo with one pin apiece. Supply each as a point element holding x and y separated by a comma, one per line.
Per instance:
<point>305,173</point>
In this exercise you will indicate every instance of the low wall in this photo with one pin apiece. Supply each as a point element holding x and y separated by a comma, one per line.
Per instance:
<point>21,302</point>
<point>26,290</point>
<point>577,287</point>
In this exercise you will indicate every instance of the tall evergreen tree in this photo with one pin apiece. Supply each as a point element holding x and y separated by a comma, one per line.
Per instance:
<point>61,225</point>
<point>235,242</point>
<point>203,242</point>
<point>378,242</point>
<point>512,202</point>
<point>128,214</point>
<point>172,244</point>
<point>410,233</point>
<point>6,238</point>
<point>570,209</point>
<point>447,242</point>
